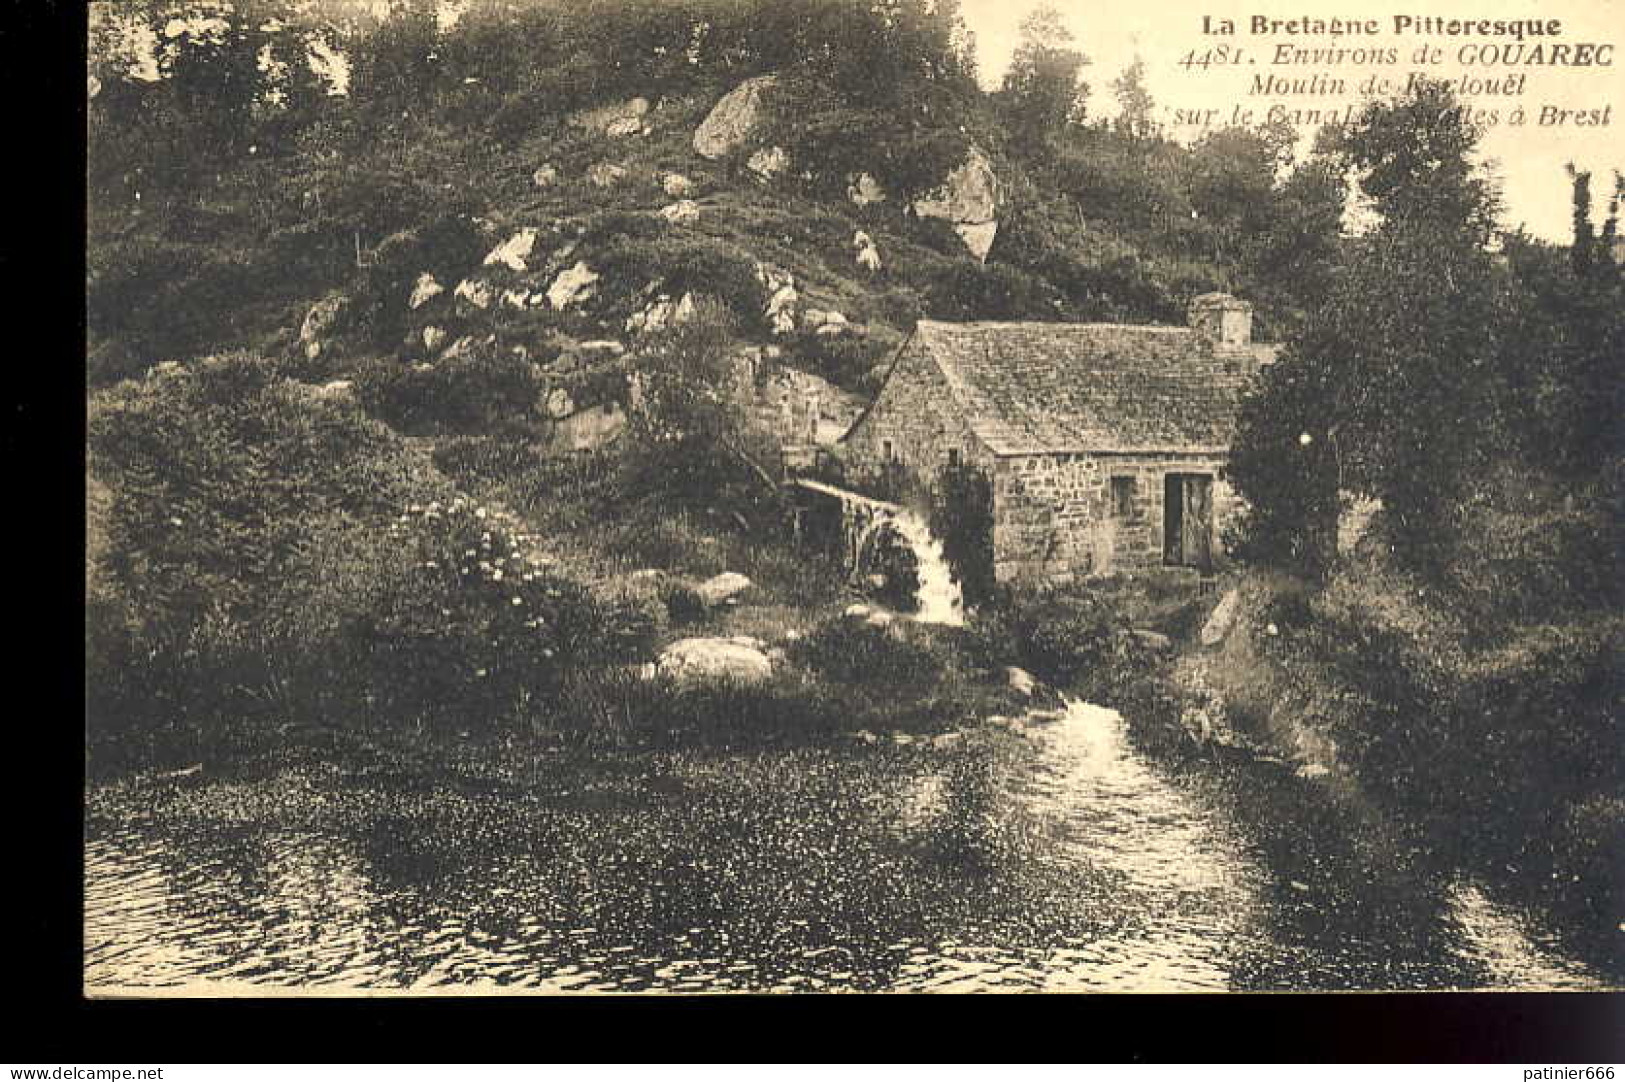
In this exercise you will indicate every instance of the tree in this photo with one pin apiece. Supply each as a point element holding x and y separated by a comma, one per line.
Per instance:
<point>1042,92</point>
<point>1135,107</point>
<point>1396,376</point>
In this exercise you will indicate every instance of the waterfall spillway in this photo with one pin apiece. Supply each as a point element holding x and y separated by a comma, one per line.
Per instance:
<point>938,595</point>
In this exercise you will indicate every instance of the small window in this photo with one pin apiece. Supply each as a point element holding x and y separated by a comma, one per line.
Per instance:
<point>885,450</point>
<point>1122,497</point>
<point>953,456</point>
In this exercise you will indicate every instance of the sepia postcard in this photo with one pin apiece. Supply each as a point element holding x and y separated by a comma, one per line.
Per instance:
<point>736,496</point>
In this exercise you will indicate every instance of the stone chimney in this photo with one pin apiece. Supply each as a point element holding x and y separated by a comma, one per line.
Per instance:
<point>1221,322</point>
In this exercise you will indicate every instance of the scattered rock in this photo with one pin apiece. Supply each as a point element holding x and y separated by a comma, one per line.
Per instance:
<point>627,126</point>
<point>738,659</point>
<point>768,162</point>
<point>819,321</point>
<point>572,286</point>
<point>1156,640</point>
<point>477,293</point>
<point>722,588</point>
<point>1222,619</point>
<point>902,739</point>
<point>517,298</point>
<point>661,313</point>
<point>432,338</point>
<point>880,618</point>
<point>730,122</point>
<point>606,174</point>
<point>338,390</point>
<point>319,322</point>
<point>946,740</point>
<point>978,237</point>
<point>425,290</point>
<point>463,347</point>
<point>545,176</point>
<point>864,736</point>
<point>1298,886</point>
<point>682,212</point>
<point>677,186</point>
<point>558,404</point>
<point>1021,681</point>
<point>864,189</point>
<point>857,612</point>
<point>1312,770</point>
<point>513,252</point>
<point>865,253</point>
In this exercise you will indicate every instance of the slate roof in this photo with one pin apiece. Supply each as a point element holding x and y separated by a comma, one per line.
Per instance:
<point>1035,388</point>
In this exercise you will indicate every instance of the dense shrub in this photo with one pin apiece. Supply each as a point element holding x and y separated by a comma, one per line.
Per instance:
<point>442,617</point>
<point>689,264</point>
<point>476,391</point>
<point>962,516</point>
<point>1066,638</point>
<point>854,652</point>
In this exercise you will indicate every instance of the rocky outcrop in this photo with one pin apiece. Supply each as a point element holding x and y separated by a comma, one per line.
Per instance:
<point>424,290</point>
<point>676,185</point>
<point>513,252</point>
<point>586,430</point>
<point>545,176</point>
<point>733,119</point>
<point>969,200</point>
<point>319,322</point>
<point>475,292</point>
<point>660,313</point>
<point>572,286</point>
<point>433,338</point>
<point>779,287</point>
<point>738,659</point>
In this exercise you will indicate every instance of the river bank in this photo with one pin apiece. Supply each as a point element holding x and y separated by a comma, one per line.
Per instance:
<point>1039,852</point>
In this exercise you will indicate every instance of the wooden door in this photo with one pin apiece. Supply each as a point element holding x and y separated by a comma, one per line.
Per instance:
<point>1187,520</point>
<point>1196,539</point>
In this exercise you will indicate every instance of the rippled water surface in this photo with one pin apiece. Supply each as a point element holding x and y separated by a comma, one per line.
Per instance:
<point>1057,858</point>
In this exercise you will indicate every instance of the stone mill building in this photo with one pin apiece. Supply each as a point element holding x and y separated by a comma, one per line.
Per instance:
<point>1105,444</point>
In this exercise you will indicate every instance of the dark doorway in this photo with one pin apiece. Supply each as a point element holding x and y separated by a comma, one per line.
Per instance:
<point>1187,520</point>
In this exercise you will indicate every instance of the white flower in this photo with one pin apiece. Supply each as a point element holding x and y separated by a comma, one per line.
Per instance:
<point>479,512</point>
<point>1305,439</point>
<point>496,576</point>
<point>518,601</point>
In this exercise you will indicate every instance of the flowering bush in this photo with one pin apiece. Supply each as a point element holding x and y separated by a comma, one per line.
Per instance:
<point>449,615</point>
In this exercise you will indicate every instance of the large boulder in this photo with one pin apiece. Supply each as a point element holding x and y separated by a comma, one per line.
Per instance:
<point>586,430</point>
<point>572,286</point>
<point>1222,619</point>
<point>738,659</point>
<point>615,119</point>
<point>732,120</point>
<point>720,589</point>
<point>969,200</point>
